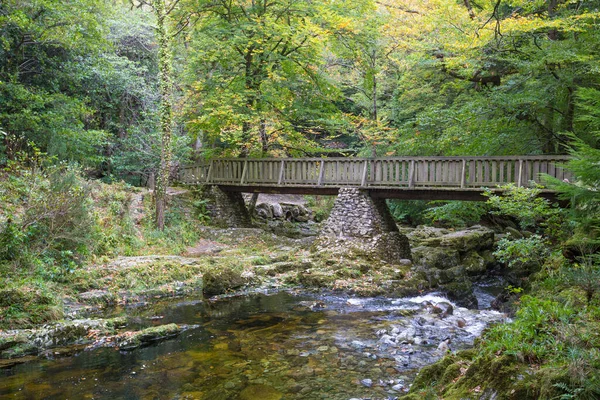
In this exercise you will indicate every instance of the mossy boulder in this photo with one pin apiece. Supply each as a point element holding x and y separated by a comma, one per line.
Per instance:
<point>316,278</point>
<point>67,333</point>
<point>472,375</point>
<point>221,279</point>
<point>424,233</point>
<point>133,340</point>
<point>474,264</point>
<point>435,257</point>
<point>391,247</point>
<point>474,238</point>
<point>461,292</point>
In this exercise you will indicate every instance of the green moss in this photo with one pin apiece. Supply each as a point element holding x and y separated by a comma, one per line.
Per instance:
<point>130,341</point>
<point>316,278</point>
<point>431,375</point>
<point>27,303</point>
<point>20,350</point>
<point>222,278</point>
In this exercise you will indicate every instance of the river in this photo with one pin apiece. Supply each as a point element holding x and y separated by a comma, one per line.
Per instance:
<point>262,346</point>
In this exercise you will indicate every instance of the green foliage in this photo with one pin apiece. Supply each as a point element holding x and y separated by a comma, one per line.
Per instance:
<point>503,80</point>
<point>255,77</point>
<point>583,193</point>
<point>46,219</point>
<point>585,275</point>
<point>408,211</point>
<point>320,205</point>
<point>533,336</point>
<point>38,99</point>
<point>530,210</point>
<point>522,252</point>
<point>456,213</point>
<point>26,302</point>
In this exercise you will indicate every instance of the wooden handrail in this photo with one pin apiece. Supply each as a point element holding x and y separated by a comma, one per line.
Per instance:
<point>392,172</point>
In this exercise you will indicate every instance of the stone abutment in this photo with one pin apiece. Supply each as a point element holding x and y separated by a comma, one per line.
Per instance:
<point>226,209</point>
<point>363,225</point>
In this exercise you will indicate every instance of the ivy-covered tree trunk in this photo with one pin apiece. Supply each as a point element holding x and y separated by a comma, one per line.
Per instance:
<point>166,123</point>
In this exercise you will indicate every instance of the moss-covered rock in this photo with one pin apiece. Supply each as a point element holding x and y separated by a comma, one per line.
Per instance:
<point>474,263</point>
<point>316,278</point>
<point>436,257</point>
<point>133,340</point>
<point>461,292</point>
<point>471,375</point>
<point>423,233</point>
<point>221,279</point>
<point>474,238</point>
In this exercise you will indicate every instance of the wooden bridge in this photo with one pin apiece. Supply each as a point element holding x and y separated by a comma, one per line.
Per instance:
<point>427,178</point>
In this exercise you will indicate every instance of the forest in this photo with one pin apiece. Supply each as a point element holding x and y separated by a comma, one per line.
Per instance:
<point>101,100</point>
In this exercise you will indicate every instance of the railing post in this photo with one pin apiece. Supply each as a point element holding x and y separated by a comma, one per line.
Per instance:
<point>209,173</point>
<point>520,173</point>
<point>321,173</point>
<point>363,181</point>
<point>244,170</point>
<point>281,172</point>
<point>411,174</point>
<point>463,174</point>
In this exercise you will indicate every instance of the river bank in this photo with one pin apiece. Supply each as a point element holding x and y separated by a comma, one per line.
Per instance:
<point>225,261</point>
<point>120,309</point>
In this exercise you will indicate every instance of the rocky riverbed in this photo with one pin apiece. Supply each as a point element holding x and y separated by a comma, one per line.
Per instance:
<point>292,345</point>
<point>265,315</point>
<point>449,261</point>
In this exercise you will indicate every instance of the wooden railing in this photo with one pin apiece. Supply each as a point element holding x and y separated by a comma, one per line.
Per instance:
<point>393,172</point>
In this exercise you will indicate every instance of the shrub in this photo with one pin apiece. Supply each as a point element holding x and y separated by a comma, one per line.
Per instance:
<point>524,252</point>
<point>456,213</point>
<point>531,211</point>
<point>585,275</point>
<point>408,211</point>
<point>47,217</point>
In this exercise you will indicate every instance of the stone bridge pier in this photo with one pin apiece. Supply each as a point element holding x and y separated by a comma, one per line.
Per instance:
<point>226,209</point>
<point>359,225</point>
<point>364,225</point>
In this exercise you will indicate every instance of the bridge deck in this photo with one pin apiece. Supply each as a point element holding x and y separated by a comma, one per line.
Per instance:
<point>429,178</point>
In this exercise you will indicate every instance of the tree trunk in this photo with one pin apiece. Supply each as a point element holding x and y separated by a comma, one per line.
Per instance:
<point>552,33</point>
<point>165,76</point>
<point>264,141</point>
<point>469,9</point>
<point>375,117</point>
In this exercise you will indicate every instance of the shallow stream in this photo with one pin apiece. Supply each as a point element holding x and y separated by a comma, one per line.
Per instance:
<point>284,345</point>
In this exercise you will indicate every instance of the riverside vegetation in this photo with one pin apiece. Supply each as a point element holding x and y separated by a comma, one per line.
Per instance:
<point>549,348</point>
<point>99,100</point>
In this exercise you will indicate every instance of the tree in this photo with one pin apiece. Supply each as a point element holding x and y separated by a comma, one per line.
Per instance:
<point>256,83</point>
<point>40,101</point>
<point>162,9</point>
<point>488,77</point>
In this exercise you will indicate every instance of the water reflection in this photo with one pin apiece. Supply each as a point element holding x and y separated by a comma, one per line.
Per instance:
<point>280,346</point>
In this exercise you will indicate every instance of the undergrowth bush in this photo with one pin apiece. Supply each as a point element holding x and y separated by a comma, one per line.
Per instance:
<point>320,205</point>
<point>456,214</point>
<point>53,223</point>
<point>522,252</point>
<point>409,212</point>
<point>46,218</point>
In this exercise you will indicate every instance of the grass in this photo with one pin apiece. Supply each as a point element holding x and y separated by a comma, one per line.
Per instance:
<point>550,350</point>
